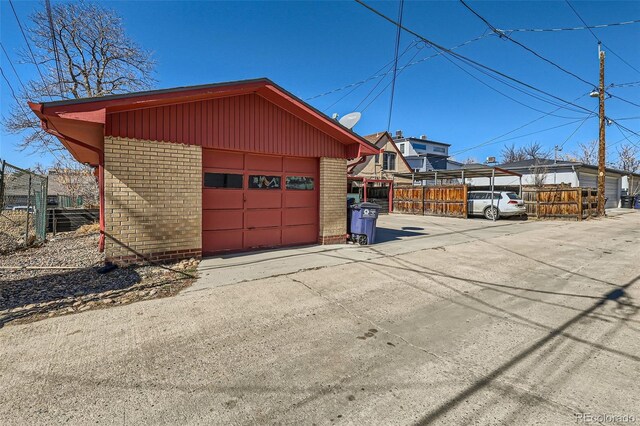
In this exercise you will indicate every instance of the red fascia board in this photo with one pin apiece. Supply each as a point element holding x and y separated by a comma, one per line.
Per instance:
<point>117,103</point>
<point>509,172</point>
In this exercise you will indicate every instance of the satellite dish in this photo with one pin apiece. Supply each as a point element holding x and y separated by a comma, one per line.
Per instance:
<point>350,119</point>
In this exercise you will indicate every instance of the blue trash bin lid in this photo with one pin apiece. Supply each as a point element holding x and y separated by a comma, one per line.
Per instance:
<point>366,206</point>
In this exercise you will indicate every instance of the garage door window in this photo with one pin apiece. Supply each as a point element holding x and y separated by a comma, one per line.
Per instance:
<point>299,182</point>
<point>222,180</point>
<point>264,182</point>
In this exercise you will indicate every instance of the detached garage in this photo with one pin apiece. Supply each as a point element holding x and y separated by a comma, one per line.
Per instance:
<point>209,169</point>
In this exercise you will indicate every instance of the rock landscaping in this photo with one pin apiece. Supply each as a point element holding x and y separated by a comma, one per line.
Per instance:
<point>61,277</point>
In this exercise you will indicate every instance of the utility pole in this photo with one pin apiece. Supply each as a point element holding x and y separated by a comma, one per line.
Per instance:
<point>601,146</point>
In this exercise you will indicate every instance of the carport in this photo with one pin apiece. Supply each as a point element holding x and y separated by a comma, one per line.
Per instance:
<point>443,192</point>
<point>460,176</point>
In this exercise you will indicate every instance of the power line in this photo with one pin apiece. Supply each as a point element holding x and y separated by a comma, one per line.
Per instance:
<point>54,44</point>
<point>13,68</point>
<point>395,63</point>
<point>625,136</point>
<point>575,131</point>
<point>524,91</point>
<point>630,84</point>
<point>33,57</point>
<point>586,27</point>
<point>466,59</point>
<point>528,49</point>
<point>493,142</point>
<point>400,71</point>
<point>357,85</point>
<point>626,128</point>
<point>496,139</point>
<point>374,77</point>
<point>624,100</point>
<point>598,39</point>
<point>502,93</point>
<point>26,114</point>
<point>375,86</point>
<point>13,93</point>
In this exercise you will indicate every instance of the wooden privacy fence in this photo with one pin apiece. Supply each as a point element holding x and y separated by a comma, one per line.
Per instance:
<point>445,200</point>
<point>560,202</point>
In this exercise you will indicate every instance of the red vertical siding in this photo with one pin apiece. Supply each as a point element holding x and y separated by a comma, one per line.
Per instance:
<point>242,123</point>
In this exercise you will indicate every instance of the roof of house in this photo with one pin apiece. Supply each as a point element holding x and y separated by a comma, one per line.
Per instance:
<point>379,140</point>
<point>553,164</point>
<point>420,140</point>
<point>79,123</point>
<point>539,162</point>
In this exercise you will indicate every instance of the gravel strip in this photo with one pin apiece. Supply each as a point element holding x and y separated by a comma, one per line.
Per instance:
<point>28,294</point>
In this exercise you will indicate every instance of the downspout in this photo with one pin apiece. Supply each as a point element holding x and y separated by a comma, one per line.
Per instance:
<point>55,132</point>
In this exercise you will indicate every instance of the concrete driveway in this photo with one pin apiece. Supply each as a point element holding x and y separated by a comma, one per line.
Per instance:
<point>446,321</point>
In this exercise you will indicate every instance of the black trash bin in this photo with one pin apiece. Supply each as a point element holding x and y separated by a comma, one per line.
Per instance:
<point>627,201</point>
<point>362,222</point>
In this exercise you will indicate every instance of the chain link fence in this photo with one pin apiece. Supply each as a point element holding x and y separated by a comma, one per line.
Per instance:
<point>23,208</point>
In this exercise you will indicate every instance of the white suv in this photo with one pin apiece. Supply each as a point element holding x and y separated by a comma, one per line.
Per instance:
<point>504,204</point>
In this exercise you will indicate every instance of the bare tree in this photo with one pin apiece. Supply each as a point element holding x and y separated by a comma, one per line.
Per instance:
<point>511,154</point>
<point>587,152</point>
<point>539,173</point>
<point>535,151</point>
<point>532,151</point>
<point>74,180</point>
<point>628,158</point>
<point>85,53</point>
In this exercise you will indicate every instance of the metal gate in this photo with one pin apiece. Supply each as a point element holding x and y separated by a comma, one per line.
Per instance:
<point>23,207</point>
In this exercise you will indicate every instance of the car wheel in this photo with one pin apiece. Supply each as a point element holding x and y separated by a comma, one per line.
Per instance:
<point>490,212</point>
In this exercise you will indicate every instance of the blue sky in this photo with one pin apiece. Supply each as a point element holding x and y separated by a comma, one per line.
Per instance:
<point>314,47</point>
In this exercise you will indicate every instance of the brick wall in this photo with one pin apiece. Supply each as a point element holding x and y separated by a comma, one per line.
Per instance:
<point>333,199</point>
<point>153,200</point>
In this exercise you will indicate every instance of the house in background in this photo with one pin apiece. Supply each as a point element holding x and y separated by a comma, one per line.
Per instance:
<point>573,173</point>
<point>423,154</point>
<point>383,165</point>
<point>371,178</point>
<point>70,188</point>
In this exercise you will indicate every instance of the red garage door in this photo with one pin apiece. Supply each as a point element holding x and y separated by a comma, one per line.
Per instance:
<point>252,201</point>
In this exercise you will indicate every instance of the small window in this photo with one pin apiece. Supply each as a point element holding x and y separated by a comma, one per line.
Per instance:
<point>438,149</point>
<point>513,195</point>
<point>222,180</point>
<point>401,148</point>
<point>388,161</point>
<point>419,146</point>
<point>299,182</point>
<point>264,182</point>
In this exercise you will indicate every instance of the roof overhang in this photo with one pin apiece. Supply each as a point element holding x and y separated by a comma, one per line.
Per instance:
<point>475,172</point>
<point>79,123</point>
